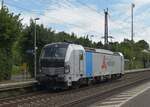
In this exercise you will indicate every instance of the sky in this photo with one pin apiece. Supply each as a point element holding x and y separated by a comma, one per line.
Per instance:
<point>87,16</point>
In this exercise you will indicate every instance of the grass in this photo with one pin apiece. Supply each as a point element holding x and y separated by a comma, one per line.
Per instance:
<point>16,70</point>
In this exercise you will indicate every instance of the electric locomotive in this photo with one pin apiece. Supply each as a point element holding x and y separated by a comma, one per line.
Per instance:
<point>64,65</point>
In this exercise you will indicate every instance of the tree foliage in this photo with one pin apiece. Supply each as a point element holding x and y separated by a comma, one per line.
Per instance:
<point>10,30</point>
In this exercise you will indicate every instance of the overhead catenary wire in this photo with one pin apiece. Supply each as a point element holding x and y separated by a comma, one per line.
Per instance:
<point>124,20</point>
<point>89,7</point>
<point>122,29</point>
<point>68,4</point>
<point>38,12</point>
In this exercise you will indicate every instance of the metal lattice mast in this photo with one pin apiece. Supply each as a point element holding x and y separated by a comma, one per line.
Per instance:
<point>106,27</point>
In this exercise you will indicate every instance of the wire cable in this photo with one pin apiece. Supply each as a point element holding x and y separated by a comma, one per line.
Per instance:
<point>89,7</point>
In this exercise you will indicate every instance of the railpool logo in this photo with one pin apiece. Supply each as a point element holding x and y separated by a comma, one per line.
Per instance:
<point>104,64</point>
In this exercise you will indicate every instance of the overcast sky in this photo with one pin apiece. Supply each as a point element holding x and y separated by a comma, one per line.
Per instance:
<point>87,16</point>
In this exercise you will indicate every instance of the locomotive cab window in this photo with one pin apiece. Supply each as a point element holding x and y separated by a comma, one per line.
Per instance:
<point>54,51</point>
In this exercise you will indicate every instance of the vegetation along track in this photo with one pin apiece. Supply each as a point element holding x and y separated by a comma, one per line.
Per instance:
<point>75,97</point>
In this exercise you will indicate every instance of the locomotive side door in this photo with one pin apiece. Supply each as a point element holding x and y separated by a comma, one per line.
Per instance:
<point>81,63</point>
<point>76,65</point>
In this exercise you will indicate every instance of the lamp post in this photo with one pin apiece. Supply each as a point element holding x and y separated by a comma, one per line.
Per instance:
<point>132,6</point>
<point>35,47</point>
<point>132,32</point>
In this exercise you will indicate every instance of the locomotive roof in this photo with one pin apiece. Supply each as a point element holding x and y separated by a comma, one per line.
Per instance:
<point>59,43</point>
<point>98,50</point>
<point>104,51</point>
<point>86,48</point>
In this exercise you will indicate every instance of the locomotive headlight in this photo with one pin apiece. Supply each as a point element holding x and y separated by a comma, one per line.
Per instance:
<point>67,68</point>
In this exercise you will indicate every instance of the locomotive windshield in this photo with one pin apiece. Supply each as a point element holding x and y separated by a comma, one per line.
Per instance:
<point>57,51</point>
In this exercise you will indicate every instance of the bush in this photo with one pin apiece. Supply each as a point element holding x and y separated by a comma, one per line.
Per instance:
<point>5,64</point>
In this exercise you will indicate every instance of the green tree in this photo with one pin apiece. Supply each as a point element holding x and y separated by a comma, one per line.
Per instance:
<point>142,44</point>
<point>10,30</point>
<point>26,43</point>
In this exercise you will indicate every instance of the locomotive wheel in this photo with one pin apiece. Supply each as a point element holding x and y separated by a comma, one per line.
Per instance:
<point>89,82</point>
<point>119,76</point>
<point>76,85</point>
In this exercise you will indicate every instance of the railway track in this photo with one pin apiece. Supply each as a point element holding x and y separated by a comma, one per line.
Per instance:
<point>90,99</point>
<point>76,97</point>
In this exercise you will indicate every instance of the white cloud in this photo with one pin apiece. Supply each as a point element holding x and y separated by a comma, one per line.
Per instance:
<point>142,32</point>
<point>139,3</point>
<point>123,8</point>
<point>79,18</point>
<point>123,21</point>
<point>82,20</point>
<point>27,16</point>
